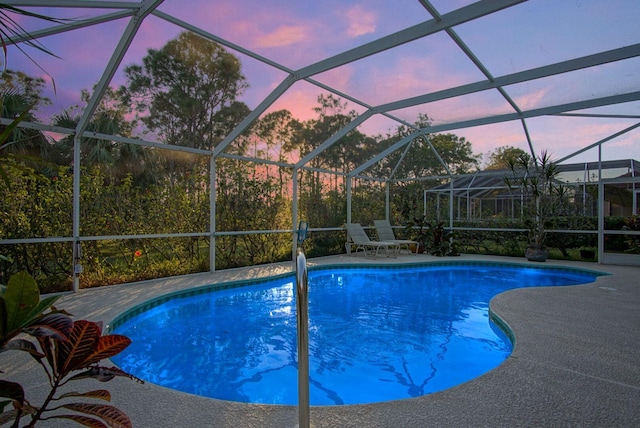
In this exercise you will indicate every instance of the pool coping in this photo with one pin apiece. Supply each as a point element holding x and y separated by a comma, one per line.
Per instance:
<point>576,361</point>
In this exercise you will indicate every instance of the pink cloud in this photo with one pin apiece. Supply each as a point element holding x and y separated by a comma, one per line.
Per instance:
<point>377,82</point>
<point>290,44</point>
<point>410,77</point>
<point>532,100</point>
<point>339,78</point>
<point>266,26</point>
<point>390,76</point>
<point>591,131</point>
<point>299,101</point>
<point>286,35</point>
<point>485,139</point>
<point>360,20</point>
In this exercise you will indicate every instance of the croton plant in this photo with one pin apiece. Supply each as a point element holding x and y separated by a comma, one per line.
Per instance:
<point>67,350</point>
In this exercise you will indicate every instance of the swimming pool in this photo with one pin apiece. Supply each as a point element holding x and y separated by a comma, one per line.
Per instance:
<point>376,333</point>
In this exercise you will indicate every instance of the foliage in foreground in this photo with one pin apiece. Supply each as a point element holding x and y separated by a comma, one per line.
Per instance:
<point>66,350</point>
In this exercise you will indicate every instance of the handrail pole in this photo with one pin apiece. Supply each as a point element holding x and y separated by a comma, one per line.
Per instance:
<point>302,315</point>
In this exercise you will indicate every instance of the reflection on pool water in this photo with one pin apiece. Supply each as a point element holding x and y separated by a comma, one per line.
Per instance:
<point>375,333</point>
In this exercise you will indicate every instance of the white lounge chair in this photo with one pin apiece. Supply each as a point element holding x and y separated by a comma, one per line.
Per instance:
<point>358,237</point>
<point>385,233</point>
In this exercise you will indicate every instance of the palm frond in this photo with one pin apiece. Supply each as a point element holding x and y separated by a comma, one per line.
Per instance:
<point>12,33</point>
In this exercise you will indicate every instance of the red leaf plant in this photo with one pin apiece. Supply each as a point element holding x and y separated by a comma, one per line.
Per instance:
<point>68,350</point>
<point>82,351</point>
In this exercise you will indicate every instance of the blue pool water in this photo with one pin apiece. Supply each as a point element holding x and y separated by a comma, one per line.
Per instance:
<point>375,333</point>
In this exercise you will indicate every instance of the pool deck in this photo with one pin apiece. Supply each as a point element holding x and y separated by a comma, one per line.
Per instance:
<point>576,361</point>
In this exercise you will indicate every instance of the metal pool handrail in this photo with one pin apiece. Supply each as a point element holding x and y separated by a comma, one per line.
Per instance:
<point>302,316</point>
<point>303,339</point>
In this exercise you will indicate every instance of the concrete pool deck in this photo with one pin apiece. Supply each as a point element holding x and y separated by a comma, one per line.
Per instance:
<point>576,361</point>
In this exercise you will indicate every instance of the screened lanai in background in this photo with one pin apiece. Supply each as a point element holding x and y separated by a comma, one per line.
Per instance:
<point>343,112</point>
<point>486,194</point>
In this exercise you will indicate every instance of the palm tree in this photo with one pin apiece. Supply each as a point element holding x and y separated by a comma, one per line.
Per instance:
<point>536,179</point>
<point>118,159</point>
<point>22,141</point>
<point>14,142</point>
<point>22,149</point>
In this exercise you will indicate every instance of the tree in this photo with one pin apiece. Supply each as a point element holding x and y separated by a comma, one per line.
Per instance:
<point>345,154</point>
<point>456,152</point>
<point>226,119</point>
<point>277,132</point>
<point>178,90</point>
<point>322,201</point>
<point>21,95</point>
<point>21,149</point>
<point>29,87</point>
<point>426,158</point>
<point>503,157</point>
<point>119,159</point>
<point>421,160</point>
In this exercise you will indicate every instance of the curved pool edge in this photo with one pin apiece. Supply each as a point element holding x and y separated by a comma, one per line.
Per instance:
<point>504,325</point>
<point>522,391</point>
<point>494,318</point>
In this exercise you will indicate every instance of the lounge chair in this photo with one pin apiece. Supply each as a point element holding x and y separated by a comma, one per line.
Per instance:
<point>385,233</point>
<point>358,237</point>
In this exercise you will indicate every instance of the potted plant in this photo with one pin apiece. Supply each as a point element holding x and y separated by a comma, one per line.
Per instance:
<point>536,179</point>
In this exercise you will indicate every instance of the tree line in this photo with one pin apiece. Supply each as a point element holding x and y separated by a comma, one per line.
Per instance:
<point>187,94</point>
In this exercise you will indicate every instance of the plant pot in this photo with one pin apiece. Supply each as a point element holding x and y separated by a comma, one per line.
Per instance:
<point>416,248</point>
<point>536,253</point>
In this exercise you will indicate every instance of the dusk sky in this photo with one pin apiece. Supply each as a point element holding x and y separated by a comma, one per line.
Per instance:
<point>299,33</point>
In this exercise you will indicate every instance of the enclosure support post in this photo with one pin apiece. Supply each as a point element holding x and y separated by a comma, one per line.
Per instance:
<point>294,211</point>
<point>212,214</point>
<point>600,208</point>
<point>584,189</point>
<point>451,183</point>
<point>468,206</point>
<point>634,194</point>
<point>348,199</point>
<point>77,255</point>
<point>387,201</point>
